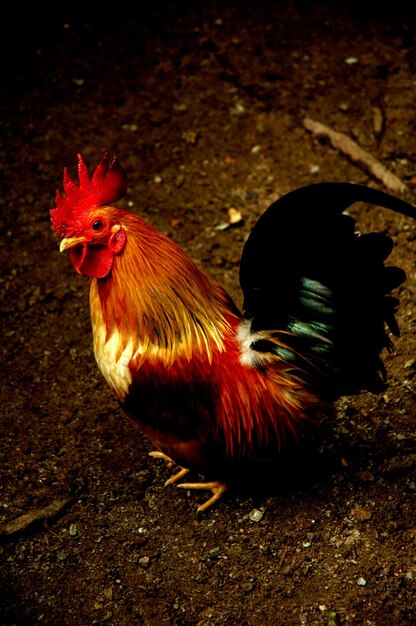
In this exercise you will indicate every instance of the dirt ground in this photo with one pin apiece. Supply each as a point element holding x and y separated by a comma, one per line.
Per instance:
<point>204,105</point>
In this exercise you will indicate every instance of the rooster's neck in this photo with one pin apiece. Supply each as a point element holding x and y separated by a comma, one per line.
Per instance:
<point>156,304</point>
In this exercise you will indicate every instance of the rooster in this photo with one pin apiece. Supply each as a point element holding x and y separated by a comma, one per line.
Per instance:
<point>217,390</point>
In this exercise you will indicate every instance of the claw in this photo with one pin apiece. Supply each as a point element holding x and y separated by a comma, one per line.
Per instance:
<point>218,489</point>
<point>156,454</point>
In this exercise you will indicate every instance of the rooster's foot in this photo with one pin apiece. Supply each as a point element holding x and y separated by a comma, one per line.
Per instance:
<point>218,489</point>
<point>156,454</point>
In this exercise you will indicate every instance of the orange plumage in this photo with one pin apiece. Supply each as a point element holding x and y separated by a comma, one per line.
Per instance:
<point>215,389</point>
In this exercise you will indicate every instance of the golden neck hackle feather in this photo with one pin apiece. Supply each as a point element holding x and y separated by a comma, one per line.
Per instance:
<point>158,299</point>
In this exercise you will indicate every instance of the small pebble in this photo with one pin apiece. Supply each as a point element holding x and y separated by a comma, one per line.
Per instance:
<point>190,136</point>
<point>256,515</point>
<point>73,530</point>
<point>144,561</point>
<point>234,216</point>
<point>222,226</point>
<point>361,513</point>
<point>238,109</point>
<point>131,127</point>
<point>361,582</point>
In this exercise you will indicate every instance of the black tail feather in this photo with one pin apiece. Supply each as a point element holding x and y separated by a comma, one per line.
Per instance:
<point>323,288</point>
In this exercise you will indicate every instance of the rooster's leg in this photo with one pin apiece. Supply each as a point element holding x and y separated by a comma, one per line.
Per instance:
<point>173,479</point>
<point>218,489</point>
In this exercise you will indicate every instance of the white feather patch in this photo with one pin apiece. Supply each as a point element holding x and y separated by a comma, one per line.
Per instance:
<point>115,371</point>
<point>246,338</point>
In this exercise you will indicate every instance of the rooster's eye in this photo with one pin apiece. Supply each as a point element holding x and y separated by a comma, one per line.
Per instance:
<point>98,225</point>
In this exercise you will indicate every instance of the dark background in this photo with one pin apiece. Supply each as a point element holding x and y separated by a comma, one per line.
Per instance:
<point>204,105</point>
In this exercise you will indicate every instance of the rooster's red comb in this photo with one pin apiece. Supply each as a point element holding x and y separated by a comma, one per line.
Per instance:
<point>107,184</point>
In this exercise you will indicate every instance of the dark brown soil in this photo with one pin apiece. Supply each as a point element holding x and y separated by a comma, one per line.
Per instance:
<point>204,105</point>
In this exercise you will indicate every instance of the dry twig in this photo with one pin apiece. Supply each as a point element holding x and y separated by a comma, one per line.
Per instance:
<point>358,155</point>
<point>282,558</point>
<point>22,523</point>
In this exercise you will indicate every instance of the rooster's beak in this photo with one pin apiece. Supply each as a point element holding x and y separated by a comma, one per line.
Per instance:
<point>70,242</point>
